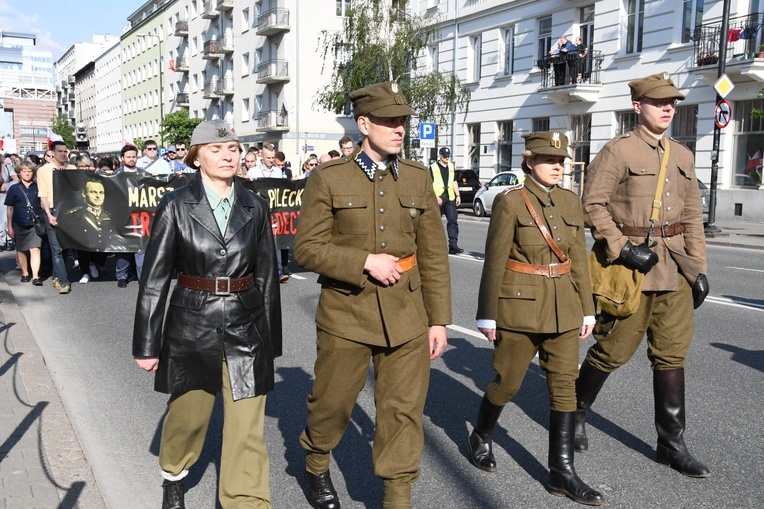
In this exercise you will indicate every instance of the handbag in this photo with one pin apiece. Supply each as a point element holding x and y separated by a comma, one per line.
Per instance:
<point>617,288</point>
<point>39,228</point>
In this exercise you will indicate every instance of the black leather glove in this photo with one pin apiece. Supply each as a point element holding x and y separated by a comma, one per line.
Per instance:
<point>700,290</point>
<point>638,257</point>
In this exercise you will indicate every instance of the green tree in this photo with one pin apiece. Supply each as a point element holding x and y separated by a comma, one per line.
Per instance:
<point>64,128</point>
<point>176,126</point>
<point>378,43</point>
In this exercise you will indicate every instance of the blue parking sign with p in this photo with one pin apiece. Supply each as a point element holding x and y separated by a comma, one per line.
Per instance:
<point>426,130</point>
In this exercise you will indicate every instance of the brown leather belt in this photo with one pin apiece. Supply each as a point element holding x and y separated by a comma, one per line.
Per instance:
<point>407,263</point>
<point>217,285</point>
<point>551,270</point>
<point>667,230</point>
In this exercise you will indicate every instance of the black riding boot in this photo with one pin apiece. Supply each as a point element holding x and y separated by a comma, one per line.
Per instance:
<point>668,387</point>
<point>321,493</point>
<point>479,443</point>
<point>173,497</point>
<point>588,385</point>
<point>563,480</point>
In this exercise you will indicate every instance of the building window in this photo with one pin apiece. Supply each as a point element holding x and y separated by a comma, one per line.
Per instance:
<point>342,7</point>
<point>245,110</point>
<point>473,147</point>
<point>749,138</point>
<point>245,19</point>
<point>580,144</point>
<point>626,121</point>
<point>539,124</point>
<point>545,37</point>
<point>245,64</point>
<point>505,145</point>
<point>194,45</point>
<point>507,50</point>
<point>635,13</point>
<point>476,50</point>
<point>586,26</point>
<point>432,57</point>
<point>692,17</point>
<point>684,127</point>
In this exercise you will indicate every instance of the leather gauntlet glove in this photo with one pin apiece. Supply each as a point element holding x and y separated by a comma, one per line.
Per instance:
<point>638,257</point>
<point>700,290</point>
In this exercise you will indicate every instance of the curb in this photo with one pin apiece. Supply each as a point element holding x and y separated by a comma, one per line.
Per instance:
<point>59,448</point>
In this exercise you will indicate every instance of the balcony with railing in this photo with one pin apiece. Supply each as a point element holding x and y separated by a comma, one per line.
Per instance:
<point>226,45</point>
<point>226,86</point>
<point>211,90</point>
<point>210,9</point>
<point>181,28</point>
<point>273,22</point>
<point>571,76</point>
<point>273,71</point>
<point>744,44</point>
<point>272,121</point>
<point>211,50</point>
<point>181,64</point>
<point>72,114</point>
<point>225,5</point>
<point>71,96</point>
<point>181,99</point>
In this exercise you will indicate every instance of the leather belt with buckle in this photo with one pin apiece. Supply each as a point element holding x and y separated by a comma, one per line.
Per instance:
<point>551,270</point>
<point>667,230</point>
<point>217,285</point>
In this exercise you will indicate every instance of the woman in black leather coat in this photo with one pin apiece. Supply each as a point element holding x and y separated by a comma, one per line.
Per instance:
<point>222,330</point>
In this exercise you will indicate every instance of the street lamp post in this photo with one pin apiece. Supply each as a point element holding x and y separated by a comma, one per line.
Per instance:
<point>161,86</point>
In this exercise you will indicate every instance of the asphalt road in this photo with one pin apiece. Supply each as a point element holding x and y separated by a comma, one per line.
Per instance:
<point>86,340</point>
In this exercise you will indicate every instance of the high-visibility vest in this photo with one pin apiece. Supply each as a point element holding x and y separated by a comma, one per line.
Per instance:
<point>437,181</point>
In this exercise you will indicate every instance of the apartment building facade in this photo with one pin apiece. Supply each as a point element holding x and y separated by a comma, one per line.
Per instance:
<point>109,136</point>
<point>501,51</point>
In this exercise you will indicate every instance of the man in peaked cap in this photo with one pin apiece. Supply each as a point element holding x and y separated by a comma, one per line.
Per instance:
<point>618,205</point>
<point>370,227</point>
<point>447,190</point>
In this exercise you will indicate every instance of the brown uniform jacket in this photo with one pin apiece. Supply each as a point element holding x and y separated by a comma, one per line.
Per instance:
<point>529,302</point>
<point>620,189</point>
<point>345,217</point>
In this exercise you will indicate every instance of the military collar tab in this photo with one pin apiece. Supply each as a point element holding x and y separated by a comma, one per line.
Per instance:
<point>369,167</point>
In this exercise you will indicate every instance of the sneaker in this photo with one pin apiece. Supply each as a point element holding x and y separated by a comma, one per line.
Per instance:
<point>283,279</point>
<point>64,288</point>
<point>56,283</point>
<point>94,272</point>
<point>37,281</point>
<point>122,283</point>
<point>85,279</point>
<point>26,278</point>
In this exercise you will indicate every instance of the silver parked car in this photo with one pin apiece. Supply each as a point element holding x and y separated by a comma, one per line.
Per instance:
<point>483,201</point>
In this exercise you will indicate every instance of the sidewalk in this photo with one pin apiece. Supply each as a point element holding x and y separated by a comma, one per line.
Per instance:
<point>738,234</point>
<point>42,465</point>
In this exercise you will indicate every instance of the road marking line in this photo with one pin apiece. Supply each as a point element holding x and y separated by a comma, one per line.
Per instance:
<point>473,258</point>
<point>736,304</point>
<point>743,268</point>
<point>469,332</point>
<point>298,277</point>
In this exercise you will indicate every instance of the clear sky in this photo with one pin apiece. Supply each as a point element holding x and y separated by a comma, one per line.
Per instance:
<point>59,24</point>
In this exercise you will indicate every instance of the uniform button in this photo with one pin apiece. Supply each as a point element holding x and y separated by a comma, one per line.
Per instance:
<point>517,294</point>
<point>668,209</point>
<point>643,170</point>
<point>382,228</point>
<point>559,239</point>
<point>384,245</point>
<point>219,330</point>
<point>382,210</point>
<point>413,203</point>
<point>381,177</point>
<point>668,193</point>
<point>223,252</point>
<point>554,227</point>
<point>350,204</point>
<point>381,193</point>
<point>667,180</point>
<point>551,216</point>
<point>548,204</point>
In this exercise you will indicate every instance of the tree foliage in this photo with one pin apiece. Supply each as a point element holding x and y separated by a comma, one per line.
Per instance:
<point>379,42</point>
<point>64,128</point>
<point>176,126</point>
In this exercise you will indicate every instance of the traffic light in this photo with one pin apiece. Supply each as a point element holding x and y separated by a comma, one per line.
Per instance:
<point>81,135</point>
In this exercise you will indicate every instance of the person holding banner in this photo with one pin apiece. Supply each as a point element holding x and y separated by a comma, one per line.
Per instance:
<point>222,330</point>
<point>370,227</point>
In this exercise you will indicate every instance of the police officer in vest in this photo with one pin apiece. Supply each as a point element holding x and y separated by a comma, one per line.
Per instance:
<point>447,190</point>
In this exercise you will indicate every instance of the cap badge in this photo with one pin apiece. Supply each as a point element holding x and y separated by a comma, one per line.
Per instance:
<point>556,140</point>
<point>665,75</point>
<point>222,132</point>
<point>394,87</point>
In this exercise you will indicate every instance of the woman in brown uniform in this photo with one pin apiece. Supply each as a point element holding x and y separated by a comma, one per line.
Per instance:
<point>535,297</point>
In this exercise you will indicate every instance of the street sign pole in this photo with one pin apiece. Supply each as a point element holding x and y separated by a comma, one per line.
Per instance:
<point>711,228</point>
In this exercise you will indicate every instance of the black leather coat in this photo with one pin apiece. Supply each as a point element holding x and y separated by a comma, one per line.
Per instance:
<point>201,327</point>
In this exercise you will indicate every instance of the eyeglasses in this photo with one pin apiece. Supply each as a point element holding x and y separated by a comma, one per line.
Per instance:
<point>660,103</point>
<point>181,149</point>
<point>150,148</point>
<point>48,155</point>
<point>311,165</point>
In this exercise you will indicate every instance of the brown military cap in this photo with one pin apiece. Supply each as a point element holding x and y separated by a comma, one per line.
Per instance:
<point>547,143</point>
<point>657,86</point>
<point>213,131</point>
<point>382,100</point>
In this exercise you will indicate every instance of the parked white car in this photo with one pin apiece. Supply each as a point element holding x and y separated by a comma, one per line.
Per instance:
<point>483,201</point>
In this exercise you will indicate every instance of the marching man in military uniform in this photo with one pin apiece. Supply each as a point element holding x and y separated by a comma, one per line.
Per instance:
<point>535,298</point>
<point>620,191</point>
<point>370,227</point>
